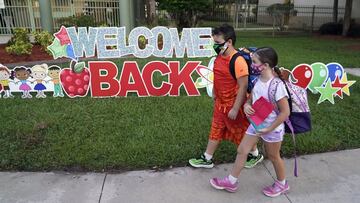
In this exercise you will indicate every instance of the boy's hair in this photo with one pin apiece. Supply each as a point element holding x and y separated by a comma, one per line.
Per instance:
<point>227,31</point>
<point>54,68</point>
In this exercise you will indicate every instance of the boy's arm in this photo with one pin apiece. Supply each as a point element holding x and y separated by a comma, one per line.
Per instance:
<point>240,97</point>
<point>241,94</point>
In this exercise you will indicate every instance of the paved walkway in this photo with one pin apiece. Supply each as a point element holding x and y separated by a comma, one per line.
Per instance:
<point>353,71</point>
<point>328,177</point>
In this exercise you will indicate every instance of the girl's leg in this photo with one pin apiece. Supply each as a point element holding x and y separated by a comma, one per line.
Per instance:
<point>273,152</point>
<point>28,94</point>
<point>280,186</point>
<point>243,150</point>
<point>43,94</point>
<point>229,182</point>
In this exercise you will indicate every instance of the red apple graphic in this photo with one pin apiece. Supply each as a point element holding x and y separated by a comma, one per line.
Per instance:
<point>75,80</point>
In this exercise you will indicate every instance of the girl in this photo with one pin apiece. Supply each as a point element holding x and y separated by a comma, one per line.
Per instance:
<point>39,73</point>
<point>22,74</point>
<point>264,60</point>
<point>4,81</point>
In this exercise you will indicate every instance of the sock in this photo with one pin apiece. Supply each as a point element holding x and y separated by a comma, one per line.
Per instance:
<point>283,182</point>
<point>232,179</point>
<point>255,153</point>
<point>208,156</point>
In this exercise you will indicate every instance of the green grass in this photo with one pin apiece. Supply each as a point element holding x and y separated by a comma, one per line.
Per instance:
<point>135,133</point>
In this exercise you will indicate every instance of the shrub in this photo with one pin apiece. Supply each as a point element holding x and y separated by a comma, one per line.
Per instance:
<point>331,28</point>
<point>354,30</point>
<point>19,43</point>
<point>79,21</point>
<point>44,39</point>
<point>20,34</point>
<point>19,48</point>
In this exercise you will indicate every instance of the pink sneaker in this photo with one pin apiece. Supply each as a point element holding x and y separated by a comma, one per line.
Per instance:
<point>276,189</point>
<point>224,184</point>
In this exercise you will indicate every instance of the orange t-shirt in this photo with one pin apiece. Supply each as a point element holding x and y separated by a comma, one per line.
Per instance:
<point>225,87</point>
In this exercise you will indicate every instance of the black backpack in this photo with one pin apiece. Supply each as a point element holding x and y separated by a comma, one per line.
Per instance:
<point>245,53</point>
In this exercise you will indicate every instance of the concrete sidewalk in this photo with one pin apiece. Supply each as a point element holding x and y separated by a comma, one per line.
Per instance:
<point>328,177</point>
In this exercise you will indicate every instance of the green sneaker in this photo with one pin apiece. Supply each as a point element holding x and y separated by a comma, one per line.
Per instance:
<point>201,162</point>
<point>253,160</point>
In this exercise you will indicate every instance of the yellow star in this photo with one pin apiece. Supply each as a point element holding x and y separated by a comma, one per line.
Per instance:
<point>349,83</point>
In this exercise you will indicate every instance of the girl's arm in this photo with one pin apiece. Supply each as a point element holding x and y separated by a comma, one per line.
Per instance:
<point>284,109</point>
<point>248,110</point>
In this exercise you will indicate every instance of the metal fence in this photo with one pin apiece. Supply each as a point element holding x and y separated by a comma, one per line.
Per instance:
<point>252,16</point>
<point>26,14</point>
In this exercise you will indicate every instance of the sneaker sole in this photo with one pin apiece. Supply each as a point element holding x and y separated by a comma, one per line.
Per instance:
<point>221,188</point>
<point>277,194</point>
<point>201,166</point>
<point>252,166</point>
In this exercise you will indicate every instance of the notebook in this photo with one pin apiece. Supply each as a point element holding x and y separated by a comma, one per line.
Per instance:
<point>263,109</point>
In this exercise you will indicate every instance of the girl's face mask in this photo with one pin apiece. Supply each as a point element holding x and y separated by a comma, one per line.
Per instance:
<point>257,69</point>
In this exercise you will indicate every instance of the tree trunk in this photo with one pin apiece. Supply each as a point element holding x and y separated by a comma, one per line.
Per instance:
<point>335,11</point>
<point>347,17</point>
<point>151,11</point>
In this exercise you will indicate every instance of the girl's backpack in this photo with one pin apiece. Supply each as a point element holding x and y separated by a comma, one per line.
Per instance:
<point>299,120</point>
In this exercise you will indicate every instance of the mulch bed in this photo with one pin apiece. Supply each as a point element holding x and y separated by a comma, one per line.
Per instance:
<point>37,54</point>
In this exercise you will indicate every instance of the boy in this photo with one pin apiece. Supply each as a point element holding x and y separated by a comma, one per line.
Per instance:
<point>229,121</point>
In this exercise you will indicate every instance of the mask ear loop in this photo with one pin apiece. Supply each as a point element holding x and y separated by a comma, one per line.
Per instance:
<point>225,47</point>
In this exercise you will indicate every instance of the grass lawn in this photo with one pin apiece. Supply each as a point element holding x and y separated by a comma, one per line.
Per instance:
<point>136,133</point>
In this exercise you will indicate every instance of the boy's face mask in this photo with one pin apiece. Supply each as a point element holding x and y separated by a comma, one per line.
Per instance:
<point>220,48</point>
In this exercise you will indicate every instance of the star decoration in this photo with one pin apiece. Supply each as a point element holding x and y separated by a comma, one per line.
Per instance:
<point>63,36</point>
<point>327,92</point>
<point>57,50</point>
<point>349,83</point>
<point>338,84</point>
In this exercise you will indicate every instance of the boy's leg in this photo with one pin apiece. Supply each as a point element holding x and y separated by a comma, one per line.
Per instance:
<point>61,94</point>
<point>55,94</point>
<point>211,147</point>
<point>217,131</point>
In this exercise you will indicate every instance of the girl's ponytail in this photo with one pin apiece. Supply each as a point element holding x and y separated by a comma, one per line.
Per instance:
<point>12,74</point>
<point>278,71</point>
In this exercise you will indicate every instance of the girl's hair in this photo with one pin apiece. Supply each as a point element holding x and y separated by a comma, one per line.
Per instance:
<point>3,68</point>
<point>13,73</point>
<point>268,55</point>
<point>42,67</point>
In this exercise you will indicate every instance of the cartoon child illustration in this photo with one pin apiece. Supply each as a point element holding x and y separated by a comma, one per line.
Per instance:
<point>54,73</point>
<point>23,74</point>
<point>4,81</point>
<point>39,73</point>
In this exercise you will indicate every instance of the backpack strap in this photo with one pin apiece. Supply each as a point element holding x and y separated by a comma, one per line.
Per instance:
<point>232,64</point>
<point>274,83</point>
